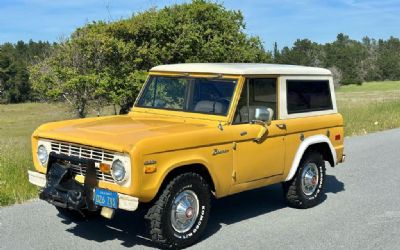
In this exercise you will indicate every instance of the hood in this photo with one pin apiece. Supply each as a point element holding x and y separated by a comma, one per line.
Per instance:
<point>118,133</point>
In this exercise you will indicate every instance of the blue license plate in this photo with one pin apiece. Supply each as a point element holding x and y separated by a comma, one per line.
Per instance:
<point>105,198</point>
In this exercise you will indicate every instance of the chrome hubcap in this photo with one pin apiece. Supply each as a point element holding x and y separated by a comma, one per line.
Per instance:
<point>309,178</point>
<point>184,212</point>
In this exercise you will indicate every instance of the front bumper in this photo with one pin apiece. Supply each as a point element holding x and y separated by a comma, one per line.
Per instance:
<point>125,202</point>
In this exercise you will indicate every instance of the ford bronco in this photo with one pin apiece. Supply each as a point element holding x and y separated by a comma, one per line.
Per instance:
<point>196,131</point>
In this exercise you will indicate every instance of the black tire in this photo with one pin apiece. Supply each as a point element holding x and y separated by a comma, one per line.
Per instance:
<point>293,189</point>
<point>159,216</point>
<point>77,216</point>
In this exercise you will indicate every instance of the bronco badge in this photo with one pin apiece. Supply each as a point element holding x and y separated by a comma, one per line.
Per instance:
<point>218,151</point>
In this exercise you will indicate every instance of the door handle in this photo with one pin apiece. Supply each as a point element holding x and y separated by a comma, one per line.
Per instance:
<point>281,125</point>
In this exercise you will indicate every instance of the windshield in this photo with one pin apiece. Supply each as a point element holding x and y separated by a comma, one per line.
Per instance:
<point>197,95</point>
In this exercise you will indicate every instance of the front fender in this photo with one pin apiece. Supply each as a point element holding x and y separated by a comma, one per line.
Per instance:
<point>168,162</point>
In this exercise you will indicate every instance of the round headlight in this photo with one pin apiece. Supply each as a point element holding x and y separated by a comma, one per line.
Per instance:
<point>118,170</point>
<point>42,154</point>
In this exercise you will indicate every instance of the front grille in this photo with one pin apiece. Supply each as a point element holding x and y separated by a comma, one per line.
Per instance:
<point>96,154</point>
<point>70,149</point>
<point>81,170</point>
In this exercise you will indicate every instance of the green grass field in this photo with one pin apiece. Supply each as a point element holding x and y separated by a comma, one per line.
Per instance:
<point>17,123</point>
<point>371,107</point>
<point>367,108</point>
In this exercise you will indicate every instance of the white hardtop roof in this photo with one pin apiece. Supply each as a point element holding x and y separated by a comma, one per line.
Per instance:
<point>241,69</point>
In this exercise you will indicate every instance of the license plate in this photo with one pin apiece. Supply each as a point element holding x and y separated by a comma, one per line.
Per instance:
<point>105,198</point>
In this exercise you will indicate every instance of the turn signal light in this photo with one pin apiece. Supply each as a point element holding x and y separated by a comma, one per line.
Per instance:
<point>150,169</point>
<point>105,168</point>
<point>337,137</point>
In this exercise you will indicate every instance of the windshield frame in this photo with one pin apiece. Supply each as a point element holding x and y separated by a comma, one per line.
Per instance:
<point>235,79</point>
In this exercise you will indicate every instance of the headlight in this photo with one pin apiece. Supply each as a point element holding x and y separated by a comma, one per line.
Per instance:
<point>118,171</point>
<point>42,154</point>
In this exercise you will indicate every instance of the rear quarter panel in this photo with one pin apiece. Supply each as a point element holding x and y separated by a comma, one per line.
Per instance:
<point>328,125</point>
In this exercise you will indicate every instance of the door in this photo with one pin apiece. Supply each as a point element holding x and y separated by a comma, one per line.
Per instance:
<point>254,160</point>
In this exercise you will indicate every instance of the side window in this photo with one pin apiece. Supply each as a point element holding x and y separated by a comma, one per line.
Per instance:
<point>308,95</point>
<point>257,93</point>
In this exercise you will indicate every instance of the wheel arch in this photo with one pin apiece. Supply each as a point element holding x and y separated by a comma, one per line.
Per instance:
<point>319,143</point>
<point>197,168</point>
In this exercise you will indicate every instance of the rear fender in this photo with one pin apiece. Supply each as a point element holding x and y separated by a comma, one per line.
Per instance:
<point>302,149</point>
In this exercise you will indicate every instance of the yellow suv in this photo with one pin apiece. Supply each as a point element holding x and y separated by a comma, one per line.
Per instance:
<point>196,131</point>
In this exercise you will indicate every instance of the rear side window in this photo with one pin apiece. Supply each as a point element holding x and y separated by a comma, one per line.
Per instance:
<point>308,95</point>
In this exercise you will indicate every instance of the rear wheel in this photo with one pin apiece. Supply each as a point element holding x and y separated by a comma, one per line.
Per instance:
<point>180,214</point>
<point>306,188</point>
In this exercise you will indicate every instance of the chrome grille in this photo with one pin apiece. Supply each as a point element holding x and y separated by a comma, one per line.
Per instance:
<point>70,149</point>
<point>81,170</point>
<point>96,154</point>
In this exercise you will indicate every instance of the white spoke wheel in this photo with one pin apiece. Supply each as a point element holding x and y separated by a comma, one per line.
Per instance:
<point>180,214</point>
<point>306,187</point>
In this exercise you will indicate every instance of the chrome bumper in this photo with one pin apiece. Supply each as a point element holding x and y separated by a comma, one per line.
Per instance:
<point>125,202</point>
<point>36,178</point>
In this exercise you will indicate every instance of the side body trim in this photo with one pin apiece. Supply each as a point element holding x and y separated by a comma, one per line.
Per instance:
<point>303,147</point>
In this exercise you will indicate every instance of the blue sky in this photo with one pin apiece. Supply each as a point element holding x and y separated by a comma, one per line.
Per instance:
<point>282,21</point>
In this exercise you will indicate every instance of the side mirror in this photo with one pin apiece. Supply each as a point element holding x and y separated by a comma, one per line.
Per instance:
<point>264,115</point>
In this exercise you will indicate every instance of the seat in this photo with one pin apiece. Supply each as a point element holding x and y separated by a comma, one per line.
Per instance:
<point>243,113</point>
<point>206,106</point>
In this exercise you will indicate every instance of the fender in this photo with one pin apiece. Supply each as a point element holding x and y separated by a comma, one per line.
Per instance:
<point>303,147</point>
<point>175,165</point>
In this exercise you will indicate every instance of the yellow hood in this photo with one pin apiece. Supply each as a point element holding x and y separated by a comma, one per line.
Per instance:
<point>119,133</point>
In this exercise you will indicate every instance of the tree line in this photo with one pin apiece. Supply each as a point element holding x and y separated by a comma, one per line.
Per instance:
<point>351,61</point>
<point>105,63</point>
<point>15,85</point>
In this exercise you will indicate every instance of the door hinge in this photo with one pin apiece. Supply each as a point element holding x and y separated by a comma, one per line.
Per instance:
<point>234,175</point>
<point>234,144</point>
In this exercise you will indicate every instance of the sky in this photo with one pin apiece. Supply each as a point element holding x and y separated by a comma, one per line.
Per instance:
<point>281,21</point>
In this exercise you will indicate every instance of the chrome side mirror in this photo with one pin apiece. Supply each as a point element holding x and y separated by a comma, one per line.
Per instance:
<point>264,115</point>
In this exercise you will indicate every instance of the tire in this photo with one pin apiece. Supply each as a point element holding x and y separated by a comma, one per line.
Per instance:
<point>77,216</point>
<point>303,191</point>
<point>163,218</point>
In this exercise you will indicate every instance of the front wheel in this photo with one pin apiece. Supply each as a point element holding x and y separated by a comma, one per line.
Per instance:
<point>306,188</point>
<point>180,214</point>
